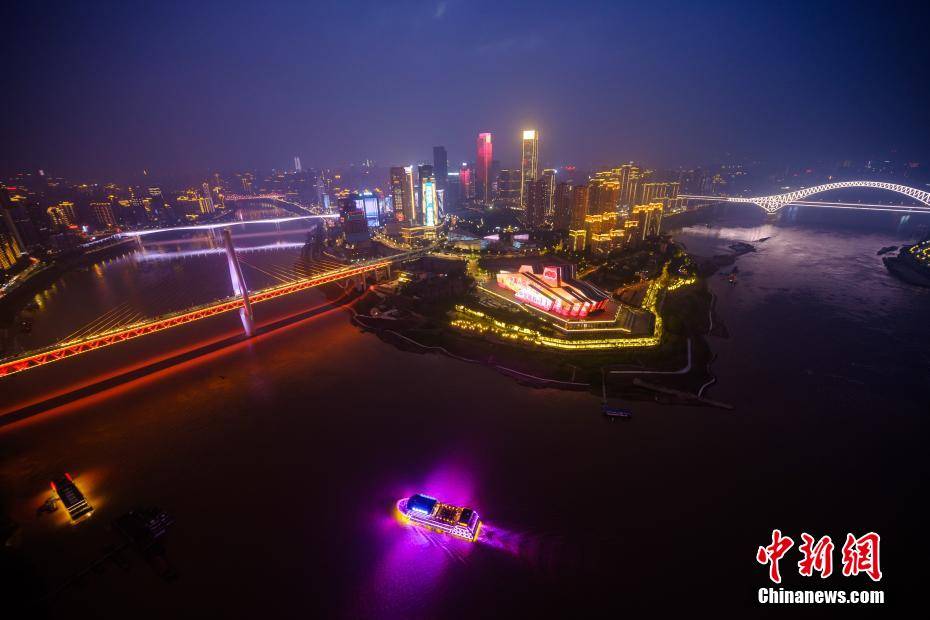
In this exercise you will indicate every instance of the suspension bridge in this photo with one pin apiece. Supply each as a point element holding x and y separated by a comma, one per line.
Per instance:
<point>774,203</point>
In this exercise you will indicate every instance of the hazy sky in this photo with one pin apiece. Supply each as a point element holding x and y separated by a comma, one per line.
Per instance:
<point>103,90</point>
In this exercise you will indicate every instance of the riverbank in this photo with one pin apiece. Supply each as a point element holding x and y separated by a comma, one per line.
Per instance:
<point>18,297</point>
<point>680,361</point>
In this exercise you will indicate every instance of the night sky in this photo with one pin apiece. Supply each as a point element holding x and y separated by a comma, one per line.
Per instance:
<point>101,90</point>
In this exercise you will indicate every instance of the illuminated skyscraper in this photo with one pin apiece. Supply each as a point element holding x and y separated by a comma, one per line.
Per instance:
<point>104,215</point>
<point>402,194</point>
<point>206,205</point>
<point>604,193</point>
<point>562,201</point>
<point>11,244</point>
<point>429,202</point>
<point>548,177</point>
<point>368,202</point>
<point>579,207</point>
<point>648,218</point>
<point>508,187</point>
<point>666,193</point>
<point>467,182</point>
<point>538,197</point>
<point>297,167</point>
<point>483,171</point>
<point>630,177</point>
<point>529,165</point>
<point>440,166</point>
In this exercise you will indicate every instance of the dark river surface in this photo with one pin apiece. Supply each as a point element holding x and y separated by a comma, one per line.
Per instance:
<point>281,460</point>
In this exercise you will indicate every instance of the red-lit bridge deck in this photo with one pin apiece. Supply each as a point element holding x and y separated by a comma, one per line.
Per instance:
<point>63,350</point>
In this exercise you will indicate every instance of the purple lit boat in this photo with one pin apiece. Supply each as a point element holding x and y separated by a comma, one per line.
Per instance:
<point>428,512</point>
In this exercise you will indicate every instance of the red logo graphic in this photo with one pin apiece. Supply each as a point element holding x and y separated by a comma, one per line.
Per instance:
<point>860,555</point>
<point>817,557</point>
<point>773,553</point>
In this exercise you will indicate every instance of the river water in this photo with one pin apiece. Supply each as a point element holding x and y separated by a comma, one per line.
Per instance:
<point>281,460</point>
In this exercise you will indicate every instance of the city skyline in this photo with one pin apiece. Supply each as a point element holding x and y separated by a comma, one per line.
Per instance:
<point>694,98</point>
<point>463,309</point>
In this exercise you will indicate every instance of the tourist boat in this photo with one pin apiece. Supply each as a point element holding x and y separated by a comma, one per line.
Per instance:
<point>428,512</point>
<point>72,498</point>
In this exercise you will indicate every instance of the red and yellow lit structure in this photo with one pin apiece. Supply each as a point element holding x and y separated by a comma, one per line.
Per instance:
<point>60,351</point>
<point>551,292</point>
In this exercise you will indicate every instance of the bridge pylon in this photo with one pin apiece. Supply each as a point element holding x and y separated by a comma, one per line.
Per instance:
<point>238,284</point>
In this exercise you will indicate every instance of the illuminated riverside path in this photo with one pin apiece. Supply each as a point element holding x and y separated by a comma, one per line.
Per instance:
<point>773,204</point>
<point>123,325</point>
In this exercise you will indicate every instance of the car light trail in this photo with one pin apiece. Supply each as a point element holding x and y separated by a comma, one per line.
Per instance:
<point>276,220</point>
<point>150,256</point>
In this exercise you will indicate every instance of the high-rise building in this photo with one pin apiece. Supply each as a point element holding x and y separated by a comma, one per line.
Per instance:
<point>429,202</point>
<point>206,204</point>
<point>11,245</point>
<point>62,215</point>
<point>297,167</point>
<point>467,182</point>
<point>453,193</point>
<point>483,177</point>
<point>548,177</point>
<point>508,188</point>
<point>630,177</point>
<point>369,204</point>
<point>402,196</point>
<point>538,197</point>
<point>665,193</point>
<point>579,207</point>
<point>354,222</point>
<point>604,191</point>
<point>10,212</point>
<point>440,166</point>
<point>562,201</point>
<point>529,162</point>
<point>648,218</point>
<point>103,213</point>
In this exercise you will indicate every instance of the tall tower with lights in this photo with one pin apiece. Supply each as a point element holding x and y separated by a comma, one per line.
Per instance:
<point>485,156</point>
<point>529,166</point>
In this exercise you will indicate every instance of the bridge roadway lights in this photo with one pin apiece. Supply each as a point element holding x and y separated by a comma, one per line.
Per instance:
<point>61,351</point>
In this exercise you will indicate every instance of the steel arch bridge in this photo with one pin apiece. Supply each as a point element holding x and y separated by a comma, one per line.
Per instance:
<point>772,204</point>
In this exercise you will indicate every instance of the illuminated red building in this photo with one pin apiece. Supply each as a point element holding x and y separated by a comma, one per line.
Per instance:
<point>551,292</point>
<point>467,182</point>
<point>483,173</point>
